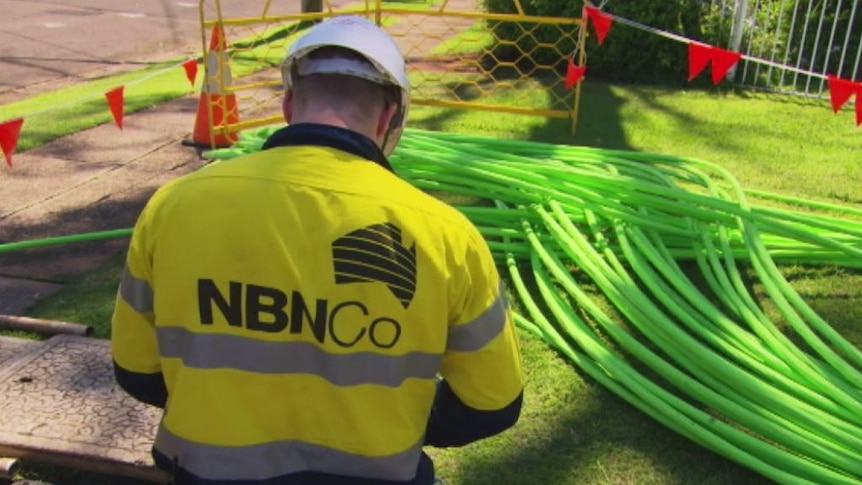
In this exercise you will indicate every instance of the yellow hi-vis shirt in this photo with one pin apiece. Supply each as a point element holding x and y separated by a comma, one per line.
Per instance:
<point>300,303</point>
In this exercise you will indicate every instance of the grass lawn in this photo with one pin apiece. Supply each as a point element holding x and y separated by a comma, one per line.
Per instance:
<point>573,430</point>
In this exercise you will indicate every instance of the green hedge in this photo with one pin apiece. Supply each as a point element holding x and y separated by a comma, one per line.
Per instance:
<point>627,55</point>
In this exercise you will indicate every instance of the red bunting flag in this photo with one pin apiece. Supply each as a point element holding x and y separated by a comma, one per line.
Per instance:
<point>840,91</point>
<point>573,74</point>
<point>9,132</point>
<point>600,20</point>
<point>722,62</point>
<point>699,56</point>
<point>191,67</point>
<point>115,102</point>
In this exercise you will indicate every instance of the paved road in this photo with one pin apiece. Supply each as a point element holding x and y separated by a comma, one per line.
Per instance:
<point>46,43</point>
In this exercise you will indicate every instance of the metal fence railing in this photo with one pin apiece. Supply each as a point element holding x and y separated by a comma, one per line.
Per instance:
<point>792,45</point>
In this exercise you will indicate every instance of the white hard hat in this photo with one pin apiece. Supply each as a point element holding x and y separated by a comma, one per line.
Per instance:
<point>365,38</point>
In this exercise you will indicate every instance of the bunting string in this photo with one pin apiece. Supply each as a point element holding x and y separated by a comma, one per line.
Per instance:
<point>681,38</point>
<point>10,130</point>
<point>81,99</point>
<point>723,61</point>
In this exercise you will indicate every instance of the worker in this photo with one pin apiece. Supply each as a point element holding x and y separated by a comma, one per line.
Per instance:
<point>302,314</point>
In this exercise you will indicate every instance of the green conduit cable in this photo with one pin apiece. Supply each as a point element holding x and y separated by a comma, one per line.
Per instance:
<point>750,353</point>
<point>672,288</point>
<point>676,343</point>
<point>780,291</point>
<point>674,244</point>
<point>802,416</point>
<point>854,403</point>
<point>605,356</point>
<point>58,240</point>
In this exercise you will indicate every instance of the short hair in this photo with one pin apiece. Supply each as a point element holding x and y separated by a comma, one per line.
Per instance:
<point>352,96</point>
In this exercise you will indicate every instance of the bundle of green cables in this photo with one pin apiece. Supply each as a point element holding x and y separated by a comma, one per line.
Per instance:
<point>633,225</point>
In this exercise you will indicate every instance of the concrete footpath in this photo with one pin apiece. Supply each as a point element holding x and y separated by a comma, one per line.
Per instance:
<point>94,180</point>
<point>59,401</point>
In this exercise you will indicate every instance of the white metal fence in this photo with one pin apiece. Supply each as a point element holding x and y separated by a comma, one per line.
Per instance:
<point>795,43</point>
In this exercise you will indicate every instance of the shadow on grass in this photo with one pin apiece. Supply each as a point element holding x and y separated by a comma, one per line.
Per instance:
<point>57,475</point>
<point>597,438</point>
<point>597,124</point>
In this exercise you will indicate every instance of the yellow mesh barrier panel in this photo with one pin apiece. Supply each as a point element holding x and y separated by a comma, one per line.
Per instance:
<point>458,55</point>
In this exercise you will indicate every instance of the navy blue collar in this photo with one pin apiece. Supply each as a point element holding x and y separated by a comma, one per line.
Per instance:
<point>328,136</point>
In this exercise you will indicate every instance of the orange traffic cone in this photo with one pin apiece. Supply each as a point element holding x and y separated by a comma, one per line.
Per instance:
<point>216,108</point>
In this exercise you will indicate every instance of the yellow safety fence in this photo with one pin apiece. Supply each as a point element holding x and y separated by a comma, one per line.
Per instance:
<point>456,56</point>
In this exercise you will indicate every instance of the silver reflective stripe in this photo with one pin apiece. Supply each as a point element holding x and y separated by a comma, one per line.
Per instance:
<point>276,458</point>
<point>136,292</point>
<point>476,334</point>
<point>211,351</point>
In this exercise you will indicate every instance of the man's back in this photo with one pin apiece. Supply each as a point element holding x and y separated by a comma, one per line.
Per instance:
<point>305,299</point>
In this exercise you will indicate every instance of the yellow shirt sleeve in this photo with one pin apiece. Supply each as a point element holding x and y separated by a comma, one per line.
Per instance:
<point>134,345</point>
<point>482,363</point>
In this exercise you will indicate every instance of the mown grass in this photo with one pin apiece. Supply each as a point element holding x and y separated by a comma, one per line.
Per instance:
<point>574,431</point>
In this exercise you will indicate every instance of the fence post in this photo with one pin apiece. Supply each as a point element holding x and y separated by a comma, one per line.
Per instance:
<point>736,32</point>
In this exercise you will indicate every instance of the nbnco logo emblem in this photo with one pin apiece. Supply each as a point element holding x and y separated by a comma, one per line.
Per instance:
<point>374,254</point>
